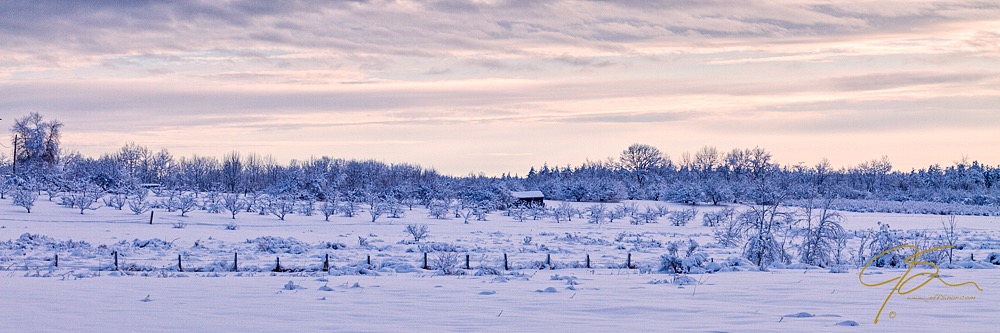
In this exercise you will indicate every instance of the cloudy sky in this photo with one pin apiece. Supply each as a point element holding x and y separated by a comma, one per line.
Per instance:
<point>499,86</point>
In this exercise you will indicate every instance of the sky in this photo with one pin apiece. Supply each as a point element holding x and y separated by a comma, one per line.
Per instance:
<point>501,86</point>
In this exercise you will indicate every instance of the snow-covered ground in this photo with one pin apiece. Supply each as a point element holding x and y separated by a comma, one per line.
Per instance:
<point>84,293</point>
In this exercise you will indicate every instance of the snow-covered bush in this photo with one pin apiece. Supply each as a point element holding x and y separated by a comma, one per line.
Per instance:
<point>83,201</point>
<point>447,263</point>
<point>438,209</point>
<point>673,264</point>
<point>883,240</point>
<point>212,202</point>
<point>307,206</point>
<point>727,233</point>
<point>273,244</point>
<point>650,215</point>
<point>562,212</point>
<point>713,219</point>
<point>993,258</point>
<point>137,205</point>
<point>596,213</point>
<point>821,237</point>
<point>349,208</point>
<point>116,201</point>
<point>682,217</point>
<point>519,214</point>
<point>394,209</point>
<point>417,231</point>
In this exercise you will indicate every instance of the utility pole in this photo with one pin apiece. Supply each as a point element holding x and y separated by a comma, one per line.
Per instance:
<point>14,163</point>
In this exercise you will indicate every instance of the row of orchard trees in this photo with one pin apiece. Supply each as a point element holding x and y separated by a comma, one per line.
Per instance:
<point>40,166</point>
<point>711,176</point>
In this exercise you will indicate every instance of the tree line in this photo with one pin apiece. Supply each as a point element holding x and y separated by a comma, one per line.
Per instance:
<point>640,172</point>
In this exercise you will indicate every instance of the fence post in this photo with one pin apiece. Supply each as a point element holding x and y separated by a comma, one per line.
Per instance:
<point>588,260</point>
<point>628,261</point>
<point>505,266</point>
<point>179,267</point>
<point>369,260</point>
<point>277,264</point>
<point>116,260</point>
<point>467,262</point>
<point>425,261</point>
<point>548,261</point>
<point>236,258</point>
<point>150,217</point>
<point>57,260</point>
<point>326,263</point>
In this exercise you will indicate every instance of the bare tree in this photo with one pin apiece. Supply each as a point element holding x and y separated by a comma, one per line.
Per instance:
<point>418,231</point>
<point>186,202</point>
<point>138,205</point>
<point>821,235</point>
<point>377,209</point>
<point>281,206</point>
<point>640,159</point>
<point>950,235</point>
<point>233,203</point>
<point>596,213</point>
<point>329,206</point>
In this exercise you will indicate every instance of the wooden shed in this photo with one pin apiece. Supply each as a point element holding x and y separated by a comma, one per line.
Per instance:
<point>528,198</point>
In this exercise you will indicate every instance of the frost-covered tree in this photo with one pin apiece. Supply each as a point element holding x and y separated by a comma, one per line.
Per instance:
<point>563,212</point>
<point>186,202</point>
<point>83,200</point>
<point>438,209</point>
<point>417,231</point>
<point>116,201</point>
<point>233,203</point>
<point>682,217</point>
<point>641,160</point>
<point>7,184</point>
<point>281,206</point>
<point>37,142</point>
<point>377,210</point>
<point>138,205</point>
<point>821,235</point>
<point>24,197</point>
<point>950,235</point>
<point>596,214</point>
<point>329,206</point>
<point>882,240</point>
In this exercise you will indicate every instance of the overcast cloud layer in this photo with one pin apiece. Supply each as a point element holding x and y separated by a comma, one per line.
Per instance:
<point>499,86</point>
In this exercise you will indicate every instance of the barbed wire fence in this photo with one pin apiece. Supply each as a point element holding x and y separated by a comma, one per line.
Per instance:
<point>494,262</point>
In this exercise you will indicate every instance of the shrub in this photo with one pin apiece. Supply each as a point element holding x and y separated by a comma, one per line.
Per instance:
<point>273,244</point>
<point>418,231</point>
<point>682,217</point>
<point>712,219</point>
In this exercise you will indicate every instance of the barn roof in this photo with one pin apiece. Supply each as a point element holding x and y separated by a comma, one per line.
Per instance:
<point>527,194</point>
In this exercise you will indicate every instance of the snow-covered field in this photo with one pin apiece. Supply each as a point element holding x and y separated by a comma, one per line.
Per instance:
<point>393,293</point>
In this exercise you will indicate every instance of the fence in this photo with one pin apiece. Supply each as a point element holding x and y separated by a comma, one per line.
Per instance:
<point>261,262</point>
